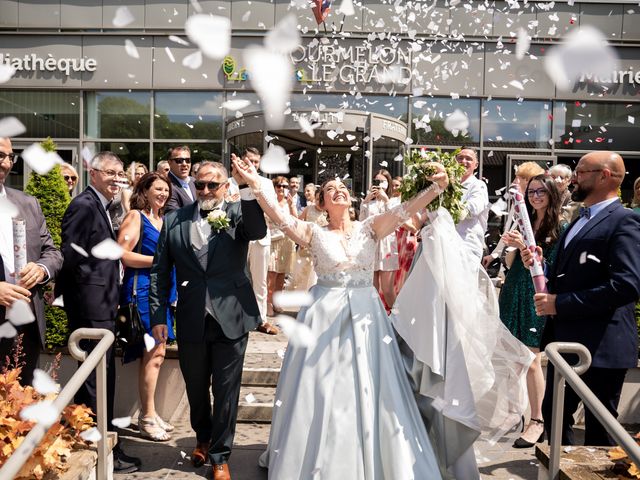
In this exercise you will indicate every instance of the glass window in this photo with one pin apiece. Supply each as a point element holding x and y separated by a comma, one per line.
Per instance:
<point>45,114</point>
<point>127,152</point>
<point>596,125</point>
<point>515,123</point>
<point>188,115</point>
<point>383,104</point>
<point>385,152</point>
<point>199,151</point>
<point>254,106</point>
<point>123,115</point>
<point>429,115</point>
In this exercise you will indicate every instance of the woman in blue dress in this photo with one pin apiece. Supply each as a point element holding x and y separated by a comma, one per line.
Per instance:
<point>143,224</point>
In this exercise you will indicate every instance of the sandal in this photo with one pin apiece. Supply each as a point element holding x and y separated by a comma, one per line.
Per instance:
<point>167,427</point>
<point>522,443</point>
<point>149,428</point>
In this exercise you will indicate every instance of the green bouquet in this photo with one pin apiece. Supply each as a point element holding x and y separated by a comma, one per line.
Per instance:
<point>416,179</point>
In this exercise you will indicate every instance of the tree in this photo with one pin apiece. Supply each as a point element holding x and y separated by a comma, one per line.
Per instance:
<point>52,193</point>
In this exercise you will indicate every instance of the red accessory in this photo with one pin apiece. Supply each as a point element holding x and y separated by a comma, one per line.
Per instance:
<point>321,10</point>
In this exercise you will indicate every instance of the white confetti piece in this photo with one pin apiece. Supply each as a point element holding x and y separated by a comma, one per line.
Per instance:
<point>121,422</point>
<point>40,160</point>
<point>131,49</point>
<point>275,160</point>
<point>534,330</point>
<point>193,61</point>
<point>212,34</point>
<point>169,53</point>
<point>58,302</point>
<point>6,72</point>
<point>305,126</point>
<point>292,299</point>
<point>107,249</point>
<point>185,283</point>
<point>455,402</point>
<point>43,383</point>
<point>346,8</point>
<point>522,44</point>
<point>178,40</point>
<point>122,18</point>
<point>458,121</point>
<point>284,37</point>
<point>11,127</point>
<point>237,104</point>
<point>250,398</point>
<point>183,454</point>
<point>19,313</point>
<point>593,258</point>
<point>583,258</point>
<point>516,84</point>
<point>631,119</point>
<point>300,335</point>
<point>42,412</point>
<point>92,435</point>
<point>280,352</point>
<point>387,339</point>
<point>7,330</point>
<point>80,250</point>
<point>149,342</point>
<point>278,403</point>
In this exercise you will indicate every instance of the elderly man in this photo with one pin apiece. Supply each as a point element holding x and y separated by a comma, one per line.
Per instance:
<point>562,174</point>
<point>44,262</point>
<point>90,285</point>
<point>163,167</point>
<point>594,285</point>
<point>216,305</point>
<point>473,226</point>
<point>183,192</point>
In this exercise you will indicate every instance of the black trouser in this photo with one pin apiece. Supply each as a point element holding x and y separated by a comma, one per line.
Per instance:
<point>606,384</point>
<point>30,351</point>
<point>216,362</point>
<point>87,393</point>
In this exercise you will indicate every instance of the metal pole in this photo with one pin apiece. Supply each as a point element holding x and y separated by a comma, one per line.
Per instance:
<point>555,440</point>
<point>97,357</point>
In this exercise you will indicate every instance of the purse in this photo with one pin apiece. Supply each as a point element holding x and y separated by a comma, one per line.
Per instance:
<point>129,328</point>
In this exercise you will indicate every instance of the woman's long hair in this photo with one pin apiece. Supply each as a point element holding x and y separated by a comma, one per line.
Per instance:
<point>635,202</point>
<point>387,175</point>
<point>549,230</point>
<point>138,199</point>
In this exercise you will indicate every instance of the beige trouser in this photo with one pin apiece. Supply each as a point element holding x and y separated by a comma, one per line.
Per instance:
<point>258,264</point>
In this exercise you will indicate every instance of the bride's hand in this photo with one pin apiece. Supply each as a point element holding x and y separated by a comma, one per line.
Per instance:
<point>440,178</point>
<point>245,173</point>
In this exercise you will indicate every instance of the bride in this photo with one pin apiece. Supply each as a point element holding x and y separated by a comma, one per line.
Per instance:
<point>344,407</point>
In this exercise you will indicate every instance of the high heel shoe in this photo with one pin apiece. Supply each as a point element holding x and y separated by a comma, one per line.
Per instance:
<point>522,443</point>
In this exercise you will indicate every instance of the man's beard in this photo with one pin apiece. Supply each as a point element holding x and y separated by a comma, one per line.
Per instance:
<point>208,203</point>
<point>580,193</point>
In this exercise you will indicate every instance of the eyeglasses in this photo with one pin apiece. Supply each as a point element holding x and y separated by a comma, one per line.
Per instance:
<point>540,192</point>
<point>578,172</point>
<point>282,185</point>
<point>181,160</point>
<point>199,184</point>
<point>69,177</point>
<point>10,156</point>
<point>111,173</point>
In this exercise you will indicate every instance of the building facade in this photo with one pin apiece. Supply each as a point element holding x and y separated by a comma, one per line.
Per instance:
<point>373,84</point>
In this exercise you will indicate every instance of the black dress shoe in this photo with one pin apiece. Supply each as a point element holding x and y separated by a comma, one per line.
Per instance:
<point>123,463</point>
<point>522,443</point>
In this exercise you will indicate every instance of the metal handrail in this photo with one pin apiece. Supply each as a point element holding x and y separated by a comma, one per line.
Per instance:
<point>96,359</point>
<point>563,371</point>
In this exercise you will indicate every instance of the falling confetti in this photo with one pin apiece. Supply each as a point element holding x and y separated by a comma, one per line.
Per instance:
<point>123,17</point>
<point>121,422</point>
<point>19,313</point>
<point>300,335</point>
<point>43,383</point>
<point>11,127</point>
<point>107,249</point>
<point>275,160</point>
<point>212,34</point>
<point>292,299</point>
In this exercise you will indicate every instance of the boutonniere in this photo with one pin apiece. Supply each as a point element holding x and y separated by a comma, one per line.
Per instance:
<point>218,220</point>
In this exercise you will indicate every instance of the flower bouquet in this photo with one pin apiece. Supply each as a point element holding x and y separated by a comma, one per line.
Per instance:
<point>418,169</point>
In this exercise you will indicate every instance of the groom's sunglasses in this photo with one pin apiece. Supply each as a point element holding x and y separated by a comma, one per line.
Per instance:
<point>210,185</point>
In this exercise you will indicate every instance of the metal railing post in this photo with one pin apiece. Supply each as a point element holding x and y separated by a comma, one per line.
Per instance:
<point>97,357</point>
<point>563,372</point>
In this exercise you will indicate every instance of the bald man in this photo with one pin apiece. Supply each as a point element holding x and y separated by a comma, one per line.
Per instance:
<point>594,285</point>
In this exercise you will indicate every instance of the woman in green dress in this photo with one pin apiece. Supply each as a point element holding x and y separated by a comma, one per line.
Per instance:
<point>517,311</point>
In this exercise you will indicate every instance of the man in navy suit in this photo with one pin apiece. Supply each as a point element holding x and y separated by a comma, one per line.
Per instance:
<point>90,285</point>
<point>183,192</point>
<point>593,288</point>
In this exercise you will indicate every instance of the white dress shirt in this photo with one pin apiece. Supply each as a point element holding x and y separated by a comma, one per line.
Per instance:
<point>473,227</point>
<point>6,241</point>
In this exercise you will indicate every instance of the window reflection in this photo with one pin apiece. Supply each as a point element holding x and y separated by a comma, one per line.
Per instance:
<point>45,114</point>
<point>122,115</point>
<point>188,115</point>
<point>429,116</point>
<point>199,151</point>
<point>511,123</point>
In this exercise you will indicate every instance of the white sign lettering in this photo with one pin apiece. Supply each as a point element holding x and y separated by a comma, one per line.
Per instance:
<point>32,62</point>
<point>617,76</point>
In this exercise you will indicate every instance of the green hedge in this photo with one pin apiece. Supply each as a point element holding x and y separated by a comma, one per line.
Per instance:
<point>52,193</point>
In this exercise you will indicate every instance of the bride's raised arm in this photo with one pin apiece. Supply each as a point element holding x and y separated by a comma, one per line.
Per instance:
<point>386,223</point>
<point>297,230</point>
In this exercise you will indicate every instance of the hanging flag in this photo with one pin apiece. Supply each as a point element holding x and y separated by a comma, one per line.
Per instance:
<point>321,10</point>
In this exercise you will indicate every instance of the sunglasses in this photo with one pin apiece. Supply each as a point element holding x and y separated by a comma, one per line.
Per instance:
<point>69,177</point>
<point>11,156</point>
<point>180,160</point>
<point>199,184</point>
<point>282,185</point>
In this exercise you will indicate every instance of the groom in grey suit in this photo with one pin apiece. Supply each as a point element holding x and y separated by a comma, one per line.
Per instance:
<point>216,306</point>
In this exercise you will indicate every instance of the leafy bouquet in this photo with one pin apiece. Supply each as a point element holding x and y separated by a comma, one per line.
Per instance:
<point>416,180</point>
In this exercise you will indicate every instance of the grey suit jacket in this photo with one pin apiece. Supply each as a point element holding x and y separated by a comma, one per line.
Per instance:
<point>179,197</point>
<point>225,277</point>
<point>40,248</point>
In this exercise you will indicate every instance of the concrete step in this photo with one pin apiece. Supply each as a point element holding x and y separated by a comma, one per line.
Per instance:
<point>260,377</point>
<point>256,404</point>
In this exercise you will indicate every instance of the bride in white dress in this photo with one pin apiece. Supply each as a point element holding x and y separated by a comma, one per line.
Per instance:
<point>344,407</point>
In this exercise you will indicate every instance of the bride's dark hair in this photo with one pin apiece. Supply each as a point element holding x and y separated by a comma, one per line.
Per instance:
<point>321,194</point>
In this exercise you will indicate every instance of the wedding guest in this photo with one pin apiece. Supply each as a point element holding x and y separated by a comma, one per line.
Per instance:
<point>182,192</point>
<point>310,193</point>
<point>138,236</point>
<point>635,202</point>
<point>473,224</point>
<point>299,199</point>
<point>562,174</point>
<point>70,176</point>
<point>517,310</point>
<point>594,286</point>
<point>380,199</point>
<point>282,248</point>
<point>163,167</point>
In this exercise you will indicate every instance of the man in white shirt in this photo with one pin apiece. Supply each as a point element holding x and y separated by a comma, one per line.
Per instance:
<point>476,199</point>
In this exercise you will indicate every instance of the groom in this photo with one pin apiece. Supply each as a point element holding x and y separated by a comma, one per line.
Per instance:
<point>216,305</point>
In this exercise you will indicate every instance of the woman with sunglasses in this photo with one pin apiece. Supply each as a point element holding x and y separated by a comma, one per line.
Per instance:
<point>517,310</point>
<point>282,248</point>
<point>70,176</point>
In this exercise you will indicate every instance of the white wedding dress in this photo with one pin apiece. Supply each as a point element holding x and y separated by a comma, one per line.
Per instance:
<point>344,408</point>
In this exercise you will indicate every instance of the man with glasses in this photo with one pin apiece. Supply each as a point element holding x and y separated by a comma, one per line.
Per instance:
<point>183,192</point>
<point>90,285</point>
<point>163,167</point>
<point>594,285</point>
<point>44,262</point>
<point>473,226</point>
<point>216,306</point>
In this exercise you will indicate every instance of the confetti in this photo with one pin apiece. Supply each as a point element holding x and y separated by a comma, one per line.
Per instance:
<point>387,339</point>
<point>522,44</point>
<point>11,127</point>
<point>250,398</point>
<point>131,49</point>
<point>122,18</point>
<point>300,335</point>
<point>7,330</point>
<point>237,104</point>
<point>42,412</point>
<point>212,34</point>
<point>275,160</point>
<point>193,60</point>
<point>107,249</point>
<point>40,160</point>
<point>292,299</point>
<point>6,72</point>
<point>149,342</point>
<point>121,422</point>
<point>43,383</point>
<point>80,250</point>
<point>92,435</point>
<point>19,313</point>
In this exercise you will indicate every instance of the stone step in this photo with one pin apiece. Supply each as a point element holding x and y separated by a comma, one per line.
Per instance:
<point>260,377</point>
<point>256,404</point>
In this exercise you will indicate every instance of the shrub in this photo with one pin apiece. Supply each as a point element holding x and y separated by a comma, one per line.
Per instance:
<point>53,195</point>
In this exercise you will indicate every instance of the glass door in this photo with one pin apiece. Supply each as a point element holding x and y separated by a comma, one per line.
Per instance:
<point>20,173</point>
